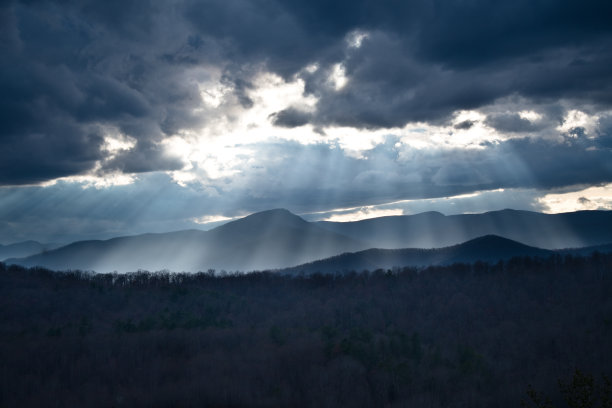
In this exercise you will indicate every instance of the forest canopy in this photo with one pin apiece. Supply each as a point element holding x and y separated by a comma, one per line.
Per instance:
<point>477,335</point>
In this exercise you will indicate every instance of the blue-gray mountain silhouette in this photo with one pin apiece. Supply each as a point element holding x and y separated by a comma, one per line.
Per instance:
<point>23,249</point>
<point>277,239</point>
<point>265,240</point>
<point>490,248</point>
<point>434,230</point>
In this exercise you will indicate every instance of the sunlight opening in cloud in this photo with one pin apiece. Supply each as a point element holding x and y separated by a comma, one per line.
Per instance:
<point>592,198</point>
<point>115,141</point>
<point>578,119</point>
<point>465,115</point>
<point>471,135</point>
<point>208,160</point>
<point>225,148</point>
<point>225,162</point>
<point>472,138</point>
<point>212,157</point>
<point>312,68</point>
<point>469,203</point>
<point>362,213</point>
<point>95,181</point>
<point>227,145</point>
<point>183,178</point>
<point>530,115</point>
<point>337,77</point>
<point>221,148</point>
<point>214,93</point>
<point>269,94</point>
<point>353,141</point>
<point>355,38</point>
<point>178,147</point>
<point>209,219</point>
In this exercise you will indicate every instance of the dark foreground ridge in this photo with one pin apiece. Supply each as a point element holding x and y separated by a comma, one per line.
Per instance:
<point>458,335</point>
<point>490,248</point>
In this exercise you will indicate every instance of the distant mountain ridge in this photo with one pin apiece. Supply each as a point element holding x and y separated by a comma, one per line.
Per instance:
<point>435,230</point>
<point>277,239</point>
<point>489,248</point>
<point>266,240</point>
<point>23,249</point>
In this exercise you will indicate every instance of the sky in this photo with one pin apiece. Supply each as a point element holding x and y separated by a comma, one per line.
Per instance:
<point>122,116</point>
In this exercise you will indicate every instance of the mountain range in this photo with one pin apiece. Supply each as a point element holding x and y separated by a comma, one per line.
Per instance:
<point>277,239</point>
<point>266,240</point>
<point>435,230</point>
<point>489,248</point>
<point>23,249</point>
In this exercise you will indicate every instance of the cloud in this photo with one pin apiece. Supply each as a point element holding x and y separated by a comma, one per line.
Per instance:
<point>144,157</point>
<point>290,118</point>
<point>465,125</point>
<point>317,177</point>
<point>388,86</point>
<point>589,198</point>
<point>70,67</point>
<point>512,123</point>
<point>604,132</point>
<point>70,70</point>
<point>482,201</point>
<point>526,163</point>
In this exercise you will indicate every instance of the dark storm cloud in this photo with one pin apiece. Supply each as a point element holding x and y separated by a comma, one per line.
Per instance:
<point>529,163</point>
<point>285,35</point>
<point>604,138</point>
<point>465,125</point>
<point>424,60</point>
<point>290,118</point>
<point>512,123</point>
<point>388,86</point>
<point>70,67</point>
<point>144,158</point>
<point>71,70</point>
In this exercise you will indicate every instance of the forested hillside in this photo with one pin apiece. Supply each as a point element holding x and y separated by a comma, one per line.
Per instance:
<point>454,336</point>
<point>490,248</point>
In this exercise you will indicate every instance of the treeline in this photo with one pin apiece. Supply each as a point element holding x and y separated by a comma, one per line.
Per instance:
<point>465,335</point>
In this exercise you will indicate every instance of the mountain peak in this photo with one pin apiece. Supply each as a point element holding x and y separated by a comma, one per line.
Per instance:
<point>262,221</point>
<point>429,214</point>
<point>273,212</point>
<point>491,240</point>
<point>275,215</point>
<point>495,246</point>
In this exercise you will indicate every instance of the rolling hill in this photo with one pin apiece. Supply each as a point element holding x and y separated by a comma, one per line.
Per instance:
<point>489,248</point>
